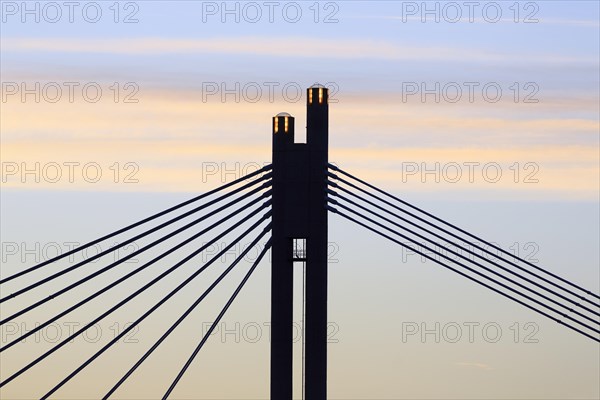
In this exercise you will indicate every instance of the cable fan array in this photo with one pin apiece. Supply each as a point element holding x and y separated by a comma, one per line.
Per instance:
<point>246,204</point>
<point>504,273</point>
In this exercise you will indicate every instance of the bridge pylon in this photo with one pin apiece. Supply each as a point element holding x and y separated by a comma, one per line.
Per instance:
<point>300,220</point>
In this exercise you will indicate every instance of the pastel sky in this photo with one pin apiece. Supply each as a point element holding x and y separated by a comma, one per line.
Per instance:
<point>491,120</point>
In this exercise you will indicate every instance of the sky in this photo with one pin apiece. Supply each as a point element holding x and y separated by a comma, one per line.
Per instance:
<point>486,113</point>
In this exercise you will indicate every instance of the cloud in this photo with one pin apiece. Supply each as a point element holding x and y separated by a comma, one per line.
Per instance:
<point>170,134</point>
<point>475,365</point>
<point>181,164</point>
<point>280,47</point>
<point>478,20</point>
<point>172,114</point>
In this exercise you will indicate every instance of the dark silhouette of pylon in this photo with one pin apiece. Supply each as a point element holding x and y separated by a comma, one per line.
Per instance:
<point>300,213</point>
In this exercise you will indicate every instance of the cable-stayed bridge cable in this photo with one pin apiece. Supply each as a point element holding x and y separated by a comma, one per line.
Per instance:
<point>136,224</point>
<point>135,253</point>
<point>152,309</point>
<point>126,242</point>
<point>214,324</point>
<point>134,272</point>
<point>335,211</point>
<point>471,269</point>
<point>567,307</point>
<point>137,292</point>
<point>586,291</point>
<point>190,309</point>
